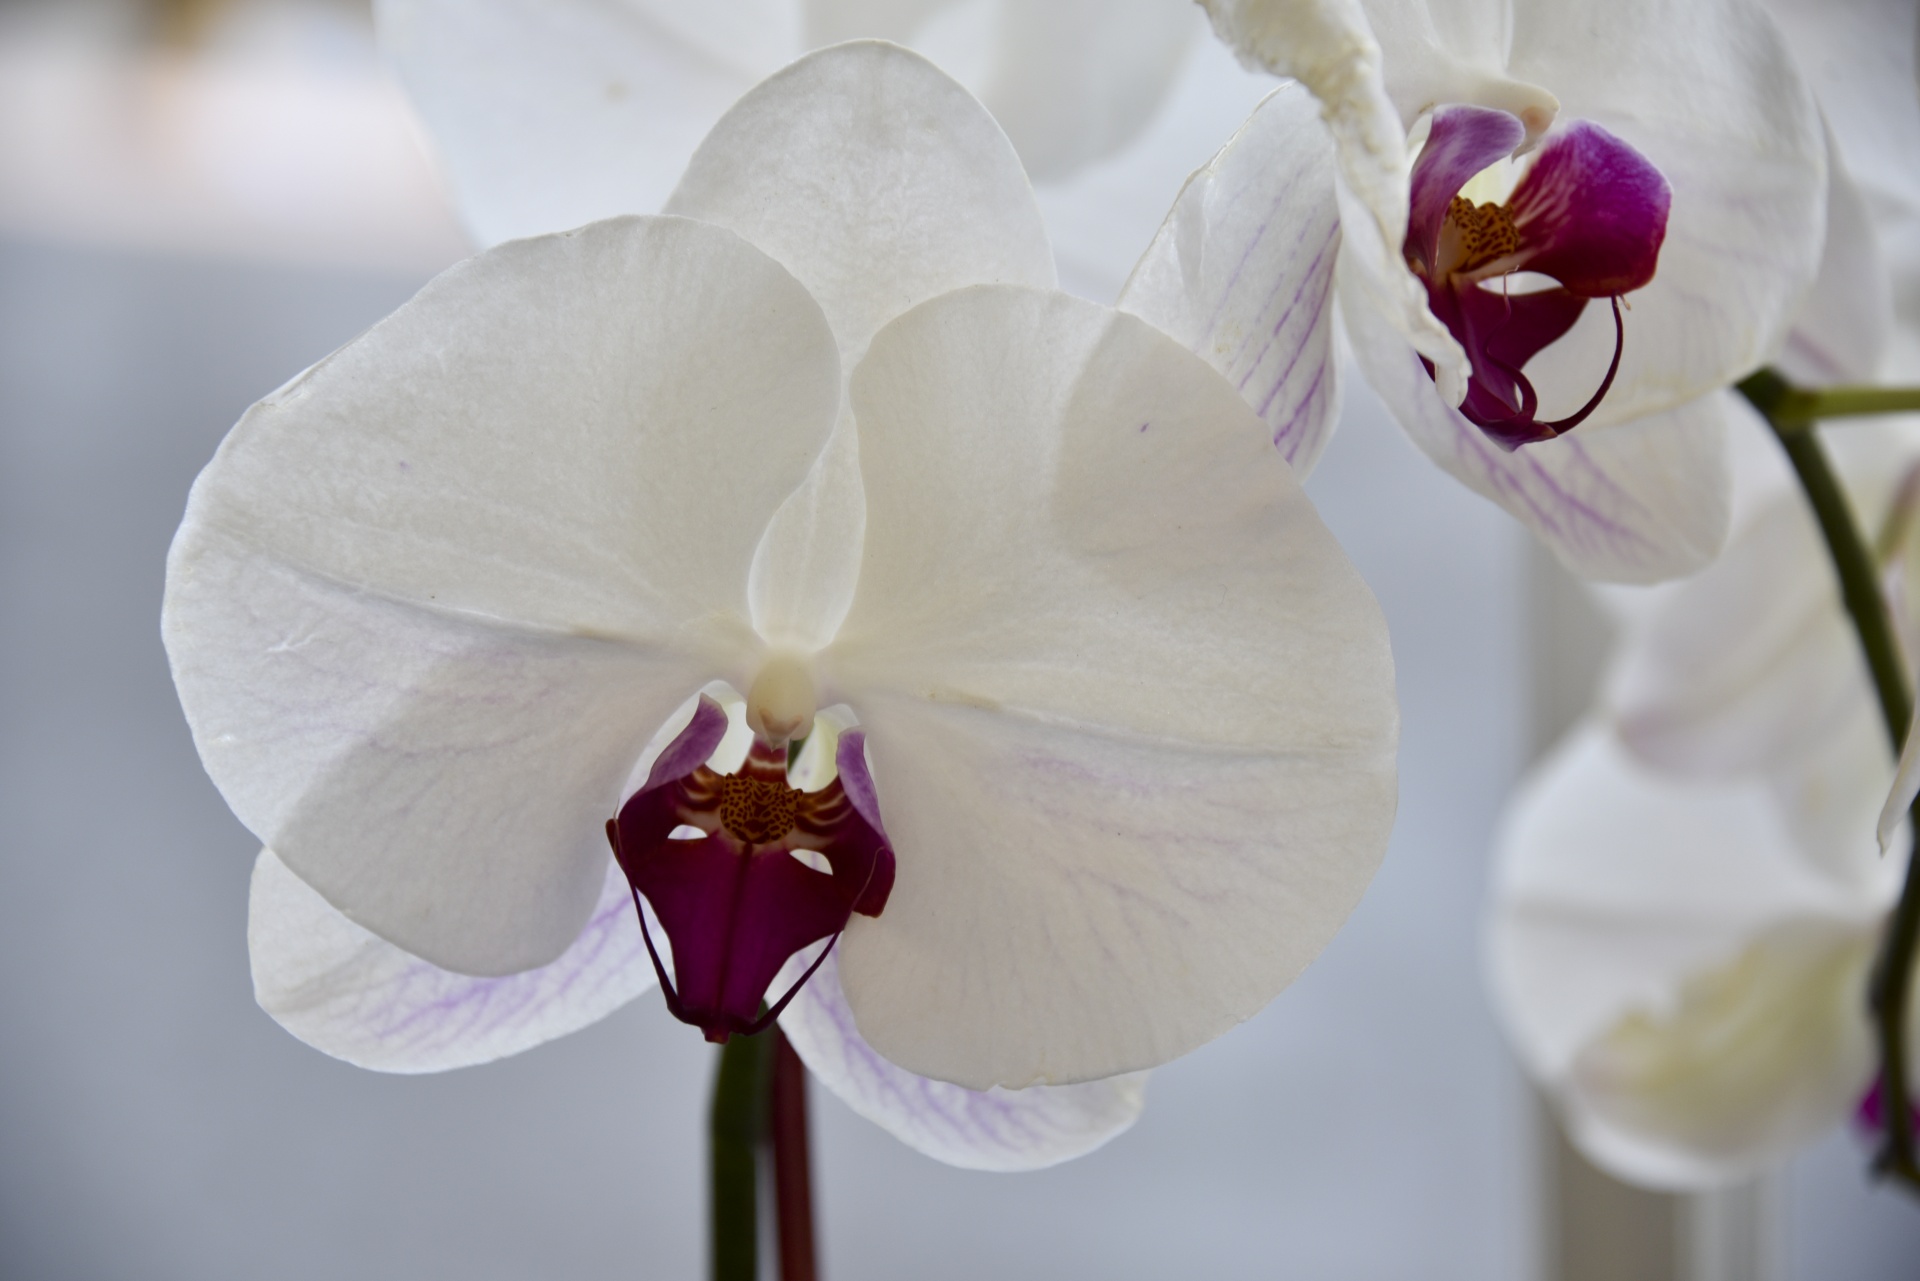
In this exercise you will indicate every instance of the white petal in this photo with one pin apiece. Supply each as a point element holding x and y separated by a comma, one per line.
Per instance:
<point>975,1129</point>
<point>1614,884</point>
<point>1635,503</point>
<point>1130,709</point>
<point>876,179</point>
<point>552,113</point>
<point>1074,80</point>
<point>1436,52</point>
<point>1748,664</point>
<point>808,562</point>
<point>1841,331</point>
<point>1860,57</point>
<point>352,994</point>
<point>1242,272</point>
<point>1754,1059</point>
<point>1707,92</point>
<point>1328,46</point>
<point>430,599</point>
<point>1830,793</point>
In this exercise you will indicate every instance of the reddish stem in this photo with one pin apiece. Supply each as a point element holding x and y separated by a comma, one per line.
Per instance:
<point>792,1162</point>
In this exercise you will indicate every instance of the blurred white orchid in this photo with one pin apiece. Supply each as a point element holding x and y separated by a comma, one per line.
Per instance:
<point>1690,892</point>
<point>1671,967</point>
<point>827,435</point>
<point>1570,153</point>
<point>551,113</point>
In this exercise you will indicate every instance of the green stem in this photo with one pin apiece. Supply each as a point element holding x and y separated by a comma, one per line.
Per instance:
<point>1860,591</point>
<point>1791,408</point>
<point>734,1127</point>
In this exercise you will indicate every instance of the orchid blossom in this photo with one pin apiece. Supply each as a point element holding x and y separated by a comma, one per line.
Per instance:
<point>1502,167</point>
<point>1690,890</point>
<point>551,113</point>
<point>1073,659</point>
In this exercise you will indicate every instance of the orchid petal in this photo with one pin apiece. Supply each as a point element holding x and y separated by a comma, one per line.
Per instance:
<point>1748,667</point>
<point>1844,322</point>
<point>423,570</point>
<point>1828,794</point>
<point>1328,46</point>
<point>1242,272</point>
<point>1462,141</point>
<point>1592,212</point>
<point>1075,80</point>
<point>1614,883</point>
<point>1130,710</point>
<point>876,179</point>
<point>548,114</point>
<point>992,1129</point>
<point>1754,1059</point>
<point>1860,57</point>
<point>1440,52</point>
<point>1636,503</point>
<point>349,993</point>
<point>1709,94</point>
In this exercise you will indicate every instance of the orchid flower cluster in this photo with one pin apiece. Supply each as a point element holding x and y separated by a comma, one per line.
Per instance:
<point>751,575</point>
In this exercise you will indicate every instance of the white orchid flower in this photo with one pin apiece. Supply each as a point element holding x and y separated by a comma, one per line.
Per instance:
<point>1102,692</point>
<point>1666,160</point>
<point>1686,984</point>
<point>552,113</point>
<point>1690,891</point>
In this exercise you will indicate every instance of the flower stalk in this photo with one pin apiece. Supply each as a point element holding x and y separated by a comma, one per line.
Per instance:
<point>1792,412</point>
<point>759,1101</point>
<point>735,1123</point>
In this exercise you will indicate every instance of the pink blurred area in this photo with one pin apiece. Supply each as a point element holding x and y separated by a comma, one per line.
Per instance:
<point>259,130</point>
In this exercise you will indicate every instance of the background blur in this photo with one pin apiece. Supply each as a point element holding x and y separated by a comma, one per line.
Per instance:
<point>199,199</point>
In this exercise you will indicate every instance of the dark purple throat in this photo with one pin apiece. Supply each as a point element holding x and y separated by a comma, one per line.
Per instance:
<point>735,902</point>
<point>1590,215</point>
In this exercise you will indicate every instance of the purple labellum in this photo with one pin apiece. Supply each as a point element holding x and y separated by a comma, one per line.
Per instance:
<point>1590,214</point>
<point>735,902</point>
<point>1871,1115</point>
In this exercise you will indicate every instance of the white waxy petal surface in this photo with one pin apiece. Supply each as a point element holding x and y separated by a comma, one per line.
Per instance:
<point>876,179</point>
<point>429,600</point>
<point>1328,46</point>
<point>1242,272</point>
<point>1074,80</point>
<point>1618,895</point>
<point>547,114</point>
<point>350,993</point>
<point>1708,92</point>
<point>1129,708</point>
<point>1634,503</point>
<point>1750,665</point>
<point>975,1129</point>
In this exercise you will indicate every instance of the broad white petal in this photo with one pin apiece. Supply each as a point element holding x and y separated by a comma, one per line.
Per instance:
<point>1636,503</point>
<point>1130,709</point>
<point>1753,1059</point>
<point>1242,272</point>
<point>1830,794</point>
<point>876,179</point>
<point>1614,884</point>
<point>1860,57</point>
<point>548,114</point>
<point>1075,80</point>
<point>1328,46</point>
<point>1750,664</point>
<point>349,993</point>
<point>429,600</point>
<point>992,1129</point>
<point>1840,334</point>
<point>1708,92</point>
<point>808,562</point>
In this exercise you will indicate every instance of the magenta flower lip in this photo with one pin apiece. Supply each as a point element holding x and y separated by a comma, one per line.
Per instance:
<point>736,903</point>
<point>1590,214</point>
